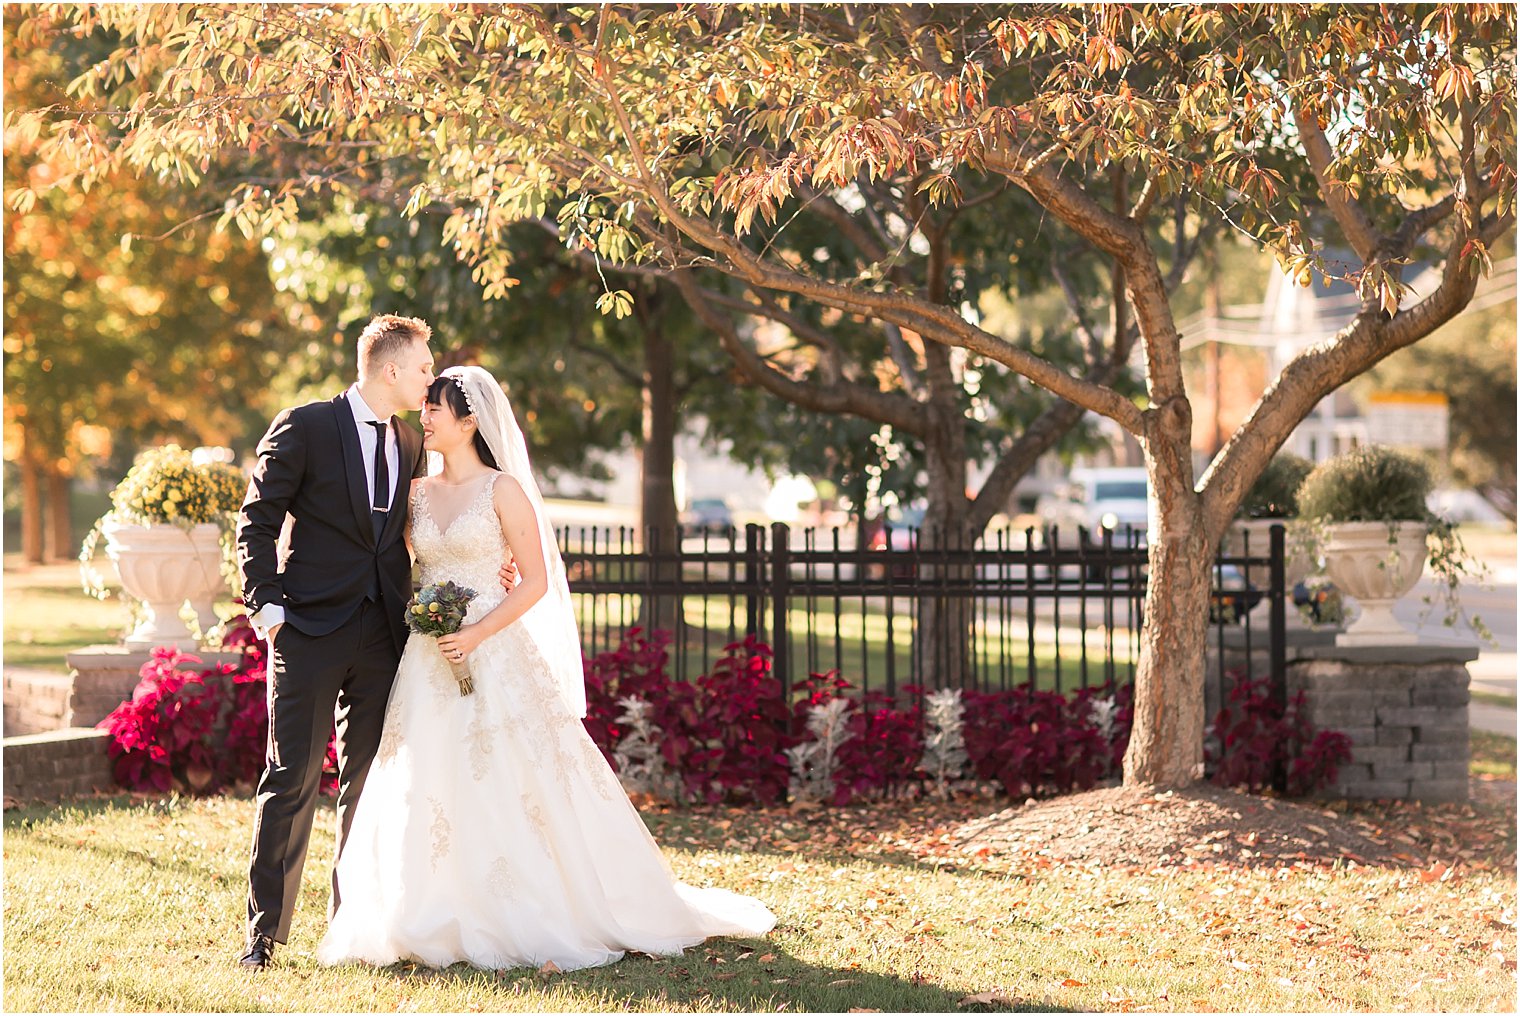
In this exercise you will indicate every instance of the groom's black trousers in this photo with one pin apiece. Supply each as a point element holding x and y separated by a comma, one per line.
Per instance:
<point>346,674</point>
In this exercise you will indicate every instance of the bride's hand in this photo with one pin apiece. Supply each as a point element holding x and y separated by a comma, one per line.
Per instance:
<point>460,644</point>
<point>508,575</point>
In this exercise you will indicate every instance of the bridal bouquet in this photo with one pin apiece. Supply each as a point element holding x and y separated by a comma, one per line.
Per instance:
<point>439,610</point>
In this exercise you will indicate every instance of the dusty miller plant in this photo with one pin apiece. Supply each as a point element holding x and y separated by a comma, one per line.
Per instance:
<point>945,757</point>
<point>640,766</point>
<point>1103,710</point>
<point>813,762</point>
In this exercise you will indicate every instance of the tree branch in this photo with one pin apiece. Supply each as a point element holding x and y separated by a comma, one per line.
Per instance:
<point>846,223</point>
<point>1038,438</point>
<point>1354,221</point>
<point>889,408</point>
<point>902,356</point>
<point>768,307</point>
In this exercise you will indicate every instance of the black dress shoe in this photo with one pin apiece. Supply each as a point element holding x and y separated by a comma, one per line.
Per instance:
<point>260,952</point>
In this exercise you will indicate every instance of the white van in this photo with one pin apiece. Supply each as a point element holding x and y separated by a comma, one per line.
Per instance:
<point>1101,498</point>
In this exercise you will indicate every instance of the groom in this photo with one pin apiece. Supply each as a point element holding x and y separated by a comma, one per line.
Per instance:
<point>332,608</point>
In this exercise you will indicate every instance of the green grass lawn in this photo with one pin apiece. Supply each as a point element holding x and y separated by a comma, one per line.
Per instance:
<point>1493,755</point>
<point>130,904</point>
<point>47,615</point>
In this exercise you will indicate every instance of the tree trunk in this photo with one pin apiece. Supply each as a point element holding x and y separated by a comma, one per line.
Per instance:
<point>1166,741</point>
<point>657,498</point>
<point>60,536</point>
<point>942,648</point>
<point>31,501</point>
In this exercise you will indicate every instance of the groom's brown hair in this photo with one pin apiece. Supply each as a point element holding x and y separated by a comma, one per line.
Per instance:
<point>386,336</point>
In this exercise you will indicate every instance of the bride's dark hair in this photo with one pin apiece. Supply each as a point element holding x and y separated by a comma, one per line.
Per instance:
<point>445,391</point>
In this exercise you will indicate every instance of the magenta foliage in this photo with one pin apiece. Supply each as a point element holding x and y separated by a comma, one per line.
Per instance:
<point>1254,735</point>
<point>885,742</point>
<point>724,732</point>
<point>197,728</point>
<point>1037,742</point>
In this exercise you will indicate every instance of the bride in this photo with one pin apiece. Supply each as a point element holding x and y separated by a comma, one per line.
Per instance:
<point>491,830</point>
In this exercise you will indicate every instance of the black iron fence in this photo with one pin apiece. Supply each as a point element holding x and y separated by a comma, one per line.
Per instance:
<point>1015,607</point>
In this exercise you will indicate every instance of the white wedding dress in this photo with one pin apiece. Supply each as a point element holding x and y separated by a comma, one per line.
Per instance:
<point>491,830</point>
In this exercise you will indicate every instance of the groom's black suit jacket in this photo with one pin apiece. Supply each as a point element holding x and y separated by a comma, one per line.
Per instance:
<point>311,465</point>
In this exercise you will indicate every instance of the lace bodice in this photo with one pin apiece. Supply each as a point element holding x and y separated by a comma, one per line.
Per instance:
<point>470,551</point>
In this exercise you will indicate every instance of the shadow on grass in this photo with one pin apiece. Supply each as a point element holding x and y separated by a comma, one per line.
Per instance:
<point>733,975</point>
<point>805,835</point>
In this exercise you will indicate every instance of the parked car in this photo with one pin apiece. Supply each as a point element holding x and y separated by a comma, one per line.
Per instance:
<point>708,515</point>
<point>1231,597</point>
<point>905,524</point>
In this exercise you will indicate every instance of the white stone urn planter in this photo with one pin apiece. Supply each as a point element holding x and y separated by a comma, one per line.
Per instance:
<point>164,565</point>
<point>1298,565</point>
<point>1376,570</point>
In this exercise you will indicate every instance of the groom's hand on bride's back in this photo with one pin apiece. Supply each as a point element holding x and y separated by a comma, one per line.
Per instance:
<point>508,574</point>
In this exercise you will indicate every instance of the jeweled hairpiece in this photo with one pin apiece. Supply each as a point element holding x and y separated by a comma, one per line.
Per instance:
<point>459,383</point>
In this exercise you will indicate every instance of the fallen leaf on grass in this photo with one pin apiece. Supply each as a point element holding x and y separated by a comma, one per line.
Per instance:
<point>987,998</point>
<point>1122,1002</point>
<point>1072,982</point>
<point>549,968</point>
<point>1241,965</point>
<point>768,958</point>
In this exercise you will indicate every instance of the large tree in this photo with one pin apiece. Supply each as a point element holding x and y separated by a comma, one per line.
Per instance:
<point>125,320</point>
<point>1389,130</point>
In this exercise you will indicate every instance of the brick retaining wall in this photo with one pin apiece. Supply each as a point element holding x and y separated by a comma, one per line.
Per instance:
<point>35,701</point>
<point>56,765</point>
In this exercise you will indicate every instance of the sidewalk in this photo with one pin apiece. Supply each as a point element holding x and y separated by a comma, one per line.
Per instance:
<point>1494,673</point>
<point>1490,718</point>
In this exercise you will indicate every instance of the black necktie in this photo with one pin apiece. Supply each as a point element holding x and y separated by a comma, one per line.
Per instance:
<point>382,501</point>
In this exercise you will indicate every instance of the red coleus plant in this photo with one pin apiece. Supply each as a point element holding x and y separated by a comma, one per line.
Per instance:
<point>885,741</point>
<point>1037,743</point>
<point>724,732</point>
<point>1253,736</point>
<point>197,728</point>
<point>202,728</point>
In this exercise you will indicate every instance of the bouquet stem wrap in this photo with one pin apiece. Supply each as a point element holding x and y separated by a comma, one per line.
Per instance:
<point>461,669</point>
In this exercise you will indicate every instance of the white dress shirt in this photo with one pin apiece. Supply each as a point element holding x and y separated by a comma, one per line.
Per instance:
<point>363,417</point>
<point>273,614</point>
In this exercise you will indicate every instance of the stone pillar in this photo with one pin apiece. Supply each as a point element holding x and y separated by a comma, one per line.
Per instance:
<point>1404,709</point>
<point>104,677</point>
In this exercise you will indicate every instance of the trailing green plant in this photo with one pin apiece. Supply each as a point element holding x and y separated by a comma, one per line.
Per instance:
<point>1374,483</point>
<point>1274,495</point>
<point>166,485</point>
